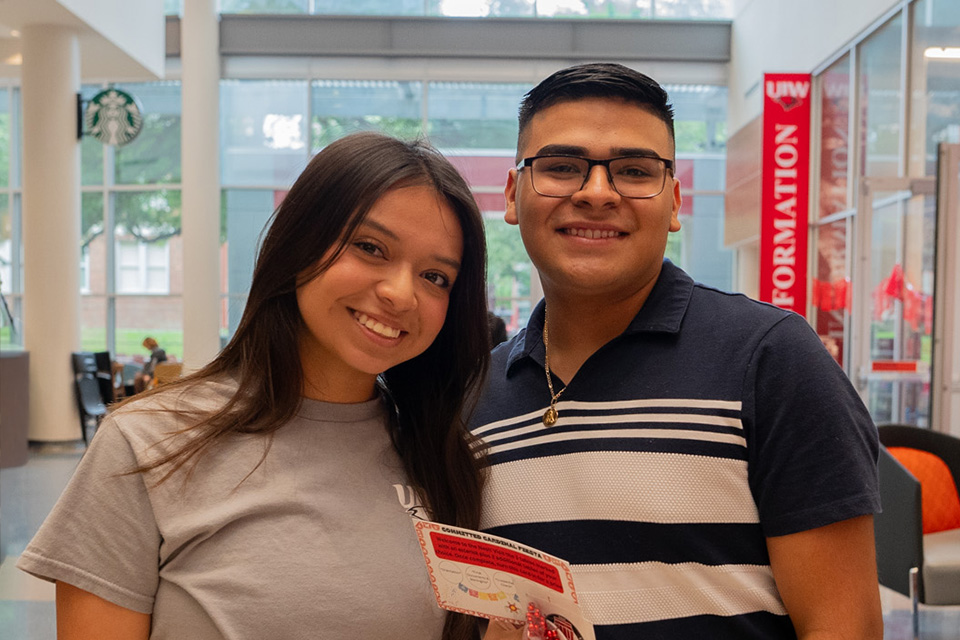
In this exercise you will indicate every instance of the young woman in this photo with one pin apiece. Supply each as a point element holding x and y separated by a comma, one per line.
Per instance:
<point>261,496</point>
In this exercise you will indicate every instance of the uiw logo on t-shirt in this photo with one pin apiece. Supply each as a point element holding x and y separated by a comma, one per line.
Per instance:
<point>411,502</point>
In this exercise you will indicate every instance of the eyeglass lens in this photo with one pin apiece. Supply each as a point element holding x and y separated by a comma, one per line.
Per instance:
<point>634,177</point>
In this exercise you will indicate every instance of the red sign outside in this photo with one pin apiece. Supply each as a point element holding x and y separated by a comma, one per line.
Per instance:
<point>785,176</point>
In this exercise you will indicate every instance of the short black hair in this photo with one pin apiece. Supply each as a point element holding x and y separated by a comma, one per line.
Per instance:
<point>597,80</point>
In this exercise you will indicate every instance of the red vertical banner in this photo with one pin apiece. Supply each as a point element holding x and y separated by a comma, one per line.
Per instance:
<point>785,175</point>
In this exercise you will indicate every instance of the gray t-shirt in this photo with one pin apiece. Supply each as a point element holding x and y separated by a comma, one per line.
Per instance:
<point>313,544</point>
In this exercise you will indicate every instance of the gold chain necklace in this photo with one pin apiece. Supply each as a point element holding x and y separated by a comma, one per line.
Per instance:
<point>550,416</point>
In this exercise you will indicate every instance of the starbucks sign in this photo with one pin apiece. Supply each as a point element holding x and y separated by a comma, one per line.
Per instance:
<point>113,117</point>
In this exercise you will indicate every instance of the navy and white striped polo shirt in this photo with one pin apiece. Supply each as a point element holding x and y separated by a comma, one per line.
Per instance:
<point>712,422</point>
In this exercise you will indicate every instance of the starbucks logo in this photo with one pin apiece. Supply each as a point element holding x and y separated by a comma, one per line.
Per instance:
<point>113,117</point>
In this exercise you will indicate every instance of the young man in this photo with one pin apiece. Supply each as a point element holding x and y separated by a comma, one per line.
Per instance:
<point>697,456</point>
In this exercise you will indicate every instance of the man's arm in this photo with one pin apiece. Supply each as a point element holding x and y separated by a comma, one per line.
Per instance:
<point>827,578</point>
<point>84,616</point>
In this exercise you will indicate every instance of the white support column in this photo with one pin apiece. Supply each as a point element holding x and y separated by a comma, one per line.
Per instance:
<point>945,412</point>
<point>200,149</point>
<point>50,80</point>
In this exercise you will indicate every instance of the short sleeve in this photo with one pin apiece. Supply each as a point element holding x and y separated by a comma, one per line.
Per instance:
<point>813,446</point>
<point>101,536</point>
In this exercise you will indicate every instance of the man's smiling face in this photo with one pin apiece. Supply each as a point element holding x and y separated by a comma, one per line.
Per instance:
<point>595,242</point>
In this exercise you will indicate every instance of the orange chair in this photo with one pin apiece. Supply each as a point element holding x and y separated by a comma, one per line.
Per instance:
<point>165,372</point>
<point>918,532</point>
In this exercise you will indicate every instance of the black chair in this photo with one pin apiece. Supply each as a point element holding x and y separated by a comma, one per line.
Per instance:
<point>105,377</point>
<point>918,565</point>
<point>89,401</point>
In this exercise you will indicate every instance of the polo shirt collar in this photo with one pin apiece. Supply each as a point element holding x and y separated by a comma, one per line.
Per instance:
<point>662,312</point>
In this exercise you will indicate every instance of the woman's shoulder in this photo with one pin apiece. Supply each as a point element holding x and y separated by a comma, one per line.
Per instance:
<point>167,411</point>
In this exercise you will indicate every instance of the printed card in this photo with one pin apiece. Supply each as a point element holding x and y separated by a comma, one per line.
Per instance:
<point>483,575</point>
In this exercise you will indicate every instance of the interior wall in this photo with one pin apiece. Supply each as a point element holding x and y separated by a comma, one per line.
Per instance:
<point>136,27</point>
<point>789,36</point>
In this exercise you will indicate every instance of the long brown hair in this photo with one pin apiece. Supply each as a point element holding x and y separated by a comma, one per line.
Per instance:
<point>322,210</point>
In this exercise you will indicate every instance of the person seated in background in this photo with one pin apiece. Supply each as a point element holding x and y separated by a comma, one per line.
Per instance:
<point>157,355</point>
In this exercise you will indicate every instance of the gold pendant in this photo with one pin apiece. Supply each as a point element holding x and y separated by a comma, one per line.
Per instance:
<point>550,417</point>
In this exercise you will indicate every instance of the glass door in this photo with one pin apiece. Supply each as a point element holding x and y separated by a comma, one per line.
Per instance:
<point>894,297</point>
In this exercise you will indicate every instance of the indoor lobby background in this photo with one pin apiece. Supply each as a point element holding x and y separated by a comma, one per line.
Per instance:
<point>158,237</point>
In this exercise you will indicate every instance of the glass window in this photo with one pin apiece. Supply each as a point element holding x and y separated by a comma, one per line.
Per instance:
<point>901,305</point>
<point>246,215</point>
<point>345,106</point>
<point>263,131</point>
<point>93,323</point>
<point>475,125</point>
<point>143,267</point>
<point>91,149</point>
<point>880,98</point>
<point>6,245</point>
<point>154,155</point>
<point>700,117</point>
<point>698,247</point>
<point>622,9</point>
<point>11,326</point>
<point>834,137</point>
<point>465,115</point>
<point>935,78</point>
<point>173,7</point>
<point>508,273</point>
<point>693,9</point>
<point>496,8</point>
<point>93,255</point>
<point>263,6</point>
<point>831,287</point>
<point>139,316</point>
<point>385,7</point>
<point>5,142</point>
<point>592,8</point>
<point>145,221</point>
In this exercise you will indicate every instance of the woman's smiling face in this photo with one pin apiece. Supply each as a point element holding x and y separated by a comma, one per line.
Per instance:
<point>384,299</point>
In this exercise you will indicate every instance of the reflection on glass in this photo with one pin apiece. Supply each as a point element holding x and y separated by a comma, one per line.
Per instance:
<point>263,131</point>
<point>346,106</point>
<point>935,82</point>
<point>831,287</point>
<point>880,98</point>
<point>901,305</point>
<point>835,137</point>
<point>154,155</point>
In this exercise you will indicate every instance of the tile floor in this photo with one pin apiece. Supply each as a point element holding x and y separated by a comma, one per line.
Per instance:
<point>27,494</point>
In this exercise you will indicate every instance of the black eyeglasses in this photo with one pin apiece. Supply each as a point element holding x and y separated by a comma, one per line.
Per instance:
<point>560,176</point>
